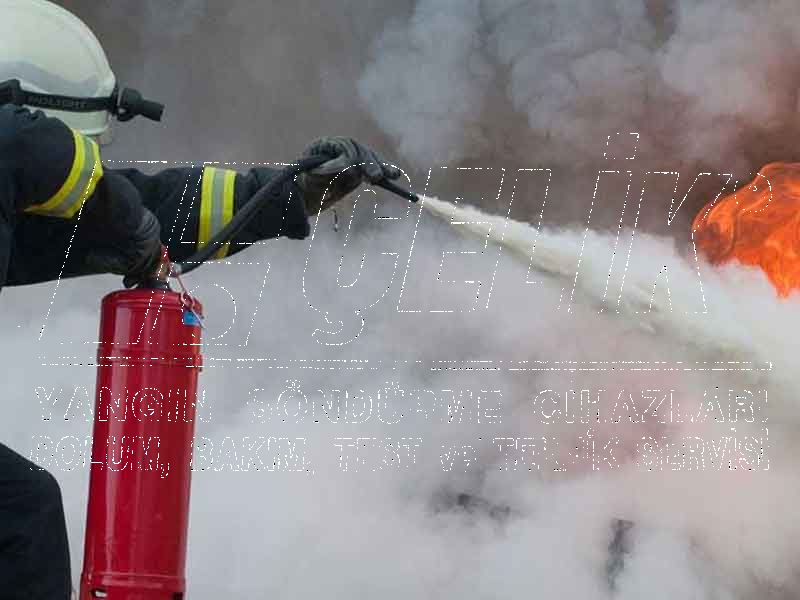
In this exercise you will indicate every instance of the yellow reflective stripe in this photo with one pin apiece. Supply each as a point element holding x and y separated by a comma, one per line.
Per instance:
<point>86,171</point>
<point>227,208</point>
<point>216,206</point>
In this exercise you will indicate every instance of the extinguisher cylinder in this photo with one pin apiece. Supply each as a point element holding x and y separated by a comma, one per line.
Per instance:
<point>149,357</point>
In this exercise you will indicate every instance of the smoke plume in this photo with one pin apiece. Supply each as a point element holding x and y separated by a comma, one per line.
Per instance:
<point>606,297</point>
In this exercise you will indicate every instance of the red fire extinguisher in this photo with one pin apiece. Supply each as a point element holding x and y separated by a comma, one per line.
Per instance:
<point>149,358</point>
<point>148,364</point>
<point>139,481</point>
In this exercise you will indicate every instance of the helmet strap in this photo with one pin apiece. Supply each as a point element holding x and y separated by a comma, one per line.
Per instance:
<point>11,92</point>
<point>124,106</point>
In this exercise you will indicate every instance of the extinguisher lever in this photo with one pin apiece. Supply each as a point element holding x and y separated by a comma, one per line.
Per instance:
<point>159,278</point>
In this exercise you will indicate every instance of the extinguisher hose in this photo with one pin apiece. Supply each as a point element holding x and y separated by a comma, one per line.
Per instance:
<point>256,203</point>
<point>245,214</point>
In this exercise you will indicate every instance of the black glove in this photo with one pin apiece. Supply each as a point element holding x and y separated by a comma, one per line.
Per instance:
<point>351,164</point>
<point>137,258</point>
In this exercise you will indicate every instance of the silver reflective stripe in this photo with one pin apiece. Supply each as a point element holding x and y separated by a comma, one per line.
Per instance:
<point>217,202</point>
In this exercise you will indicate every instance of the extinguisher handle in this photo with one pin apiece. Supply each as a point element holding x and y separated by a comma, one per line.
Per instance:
<point>159,278</point>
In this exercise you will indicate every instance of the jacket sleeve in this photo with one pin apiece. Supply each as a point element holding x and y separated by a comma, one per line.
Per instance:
<point>54,169</point>
<point>192,204</point>
<point>58,182</point>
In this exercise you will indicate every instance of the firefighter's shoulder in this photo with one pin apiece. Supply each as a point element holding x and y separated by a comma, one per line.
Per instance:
<point>20,126</point>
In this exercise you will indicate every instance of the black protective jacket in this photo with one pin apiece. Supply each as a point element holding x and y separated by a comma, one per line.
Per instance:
<point>58,202</point>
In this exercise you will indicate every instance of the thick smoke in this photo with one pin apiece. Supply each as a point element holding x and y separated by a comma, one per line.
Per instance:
<point>691,77</point>
<point>429,84</point>
<point>708,86</point>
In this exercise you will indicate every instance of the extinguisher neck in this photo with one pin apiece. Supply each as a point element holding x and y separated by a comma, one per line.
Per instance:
<point>155,284</point>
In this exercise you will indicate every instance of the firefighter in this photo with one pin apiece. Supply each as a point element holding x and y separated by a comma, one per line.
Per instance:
<point>63,213</point>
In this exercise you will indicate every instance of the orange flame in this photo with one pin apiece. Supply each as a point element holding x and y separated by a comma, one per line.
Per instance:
<point>758,225</point>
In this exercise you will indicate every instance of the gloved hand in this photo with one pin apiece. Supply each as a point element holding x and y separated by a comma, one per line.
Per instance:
<point>351,164</point>
<point>137,258</point>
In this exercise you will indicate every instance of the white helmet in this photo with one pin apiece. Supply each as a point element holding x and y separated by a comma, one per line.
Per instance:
<point>51,60</point>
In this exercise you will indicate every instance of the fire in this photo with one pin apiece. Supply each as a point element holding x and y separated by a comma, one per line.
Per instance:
<point>758,225</point>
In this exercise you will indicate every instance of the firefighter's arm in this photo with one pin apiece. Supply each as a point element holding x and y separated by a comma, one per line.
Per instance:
<point>193,204</point>
<point>60,176</point>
